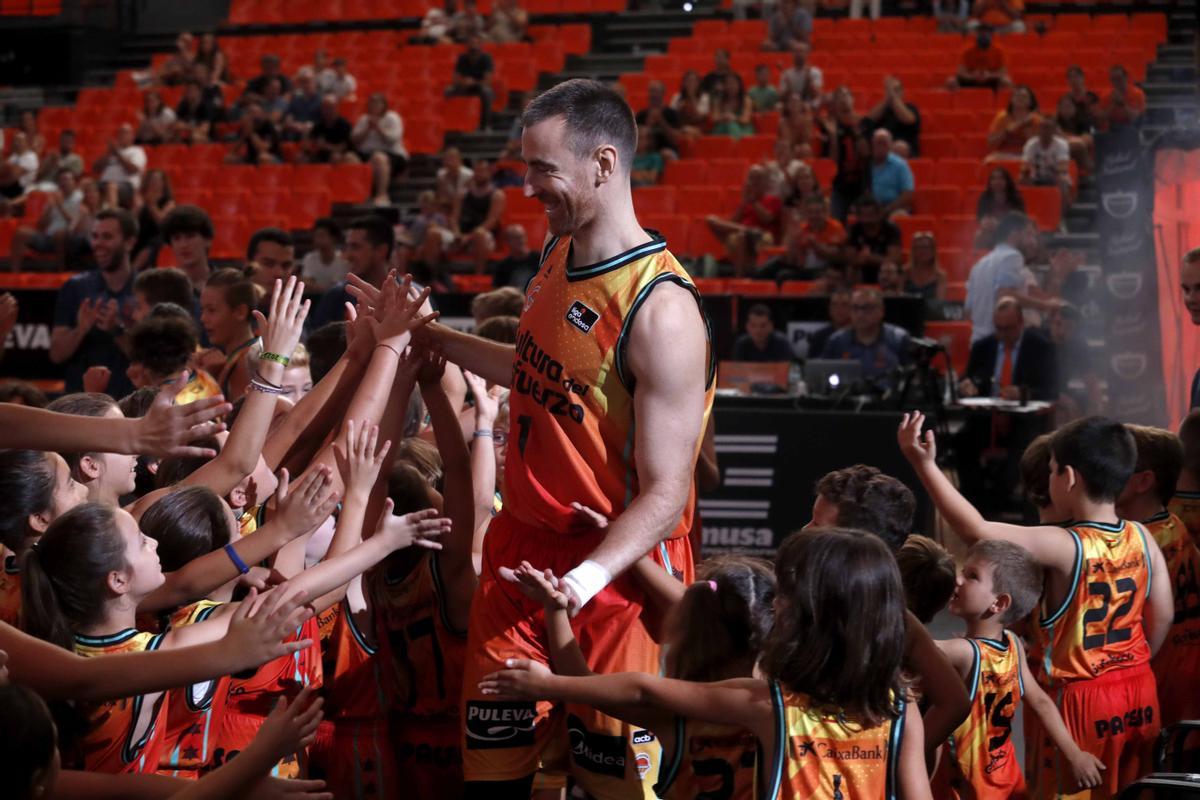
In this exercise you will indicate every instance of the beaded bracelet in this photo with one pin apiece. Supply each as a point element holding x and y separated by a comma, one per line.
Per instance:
<point>258,386</point>
<point>278,359</point>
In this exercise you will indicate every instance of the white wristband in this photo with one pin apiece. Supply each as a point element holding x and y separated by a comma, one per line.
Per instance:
<point>587,580</point>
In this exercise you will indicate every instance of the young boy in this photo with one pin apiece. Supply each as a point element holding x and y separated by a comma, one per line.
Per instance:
<point>1177,665</point>
<point>1103,615</point>
<point>999,584</point>
<point>1186,502</point>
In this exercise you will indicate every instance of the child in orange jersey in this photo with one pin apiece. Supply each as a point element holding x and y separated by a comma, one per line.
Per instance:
<point>1177,664</point>
<point>999,584</point>
<point>1104,612</point>
<point>832,715</point>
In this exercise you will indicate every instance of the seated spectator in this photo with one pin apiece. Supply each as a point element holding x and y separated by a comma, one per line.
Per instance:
<point>509,22</point>
<point>274,102</point>
<point>799,130</point>
<point>1014,126</point>
<point>473,71</point>
<point>788,24</point>
<point>873,241</point>
<point>982,65</point>
<point>1076,127</point>
<point>648,162</point>
<point>711,82</point>
<point>212,57</point>
<point>812,244</point>
<point>467,23</point>
<point>156,122</point>
<point>840,298</point>
<point>178,66</point>
<point>188,231</point>
<point>435,27</point>
<point>850,149</point>
<point>520,265</point>
<point>1012,359</point>
<point>922,274</point>
<point>732,112</point>
<point>897,116</point>
<point>28,124</point>
<point>891,279</point>
<point>475,218</point>
<point>152,203</point>
<point>661,121</point>
<point>258,138</point>
<point>761,342</point>
<point>756,221</point>
<point>1002,16</point>
<point>323,266</point>
<point>1086,101</point>
<point>52,235</point>
<point>878,346</point>
<point>272,69</point>
<point>121,167</point>
<point>691,104</point>
<point>452,178</point>
<point>201,107</point>
<point>427,236</point>
<point>802,78</point>
<point>1000,198</point>
<point>270,256</point>
<point>18,172</point>
<point>329,140</point>
<point>1045,161</point>
<point>64,157</point>
<point>801,184</point>
<point>378,136</point>
<point>1124,104</point>
<point>304,107</point>
<point>891,177</point>
<point>164,285</point>
<point>337,80</point>
<point>763,96</point>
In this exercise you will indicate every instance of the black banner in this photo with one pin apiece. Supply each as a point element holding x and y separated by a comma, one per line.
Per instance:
<point>1125,179</point>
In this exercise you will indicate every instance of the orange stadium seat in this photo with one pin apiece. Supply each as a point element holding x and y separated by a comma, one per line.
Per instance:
<point>798,288</point>
<point>654,200</point>
<point>956,292</point>
<point>956,338</point>
<point>1044,205</point>
<point>752,287</point>
<point>937,200</point>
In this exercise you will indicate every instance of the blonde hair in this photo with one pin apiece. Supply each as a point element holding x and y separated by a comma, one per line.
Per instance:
<point>299,357</point>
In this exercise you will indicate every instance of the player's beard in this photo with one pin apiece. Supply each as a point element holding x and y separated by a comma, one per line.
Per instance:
<point>115,263</point>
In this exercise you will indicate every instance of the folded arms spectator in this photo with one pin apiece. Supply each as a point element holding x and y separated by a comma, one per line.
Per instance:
<point>258,138</point>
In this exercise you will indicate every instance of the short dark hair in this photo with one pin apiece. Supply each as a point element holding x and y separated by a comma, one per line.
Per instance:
<point>1192,256</point>
<point>329,225</point>
<point>1009,224</point>
<point>499,329</point>
<point>1014,573</point>
<point>235,287</point>
<point>81,404</point>
<point>325,346</point>
<point>168,285</point>
<point>868,201</point>
<point>135,404</point>
<point>759,310</point>
<point>1161,452</point>
<point>274,235</point>
<point>162,344</point>
<point>594,114</point>
<point>129,226</point>
<point>1035,471</point>
<point>186,219</point>
<point>378,230</point>
<point>868,500</point>
<point>22,393</point>
<point>503,302</point>
<point>929,575</point>
<point>1101,450</point>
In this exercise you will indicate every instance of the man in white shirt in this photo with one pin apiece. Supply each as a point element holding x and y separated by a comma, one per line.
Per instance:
<point>378,136</point>
<point>999,274</point>
<point>19,169</point>
<point>1046,158</point>
<point>802,78</point>
<point>122,166</point>
<point>337,80</point>
<point>53,227</point>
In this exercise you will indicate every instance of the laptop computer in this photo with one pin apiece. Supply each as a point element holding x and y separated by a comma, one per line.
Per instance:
<point>825,376</point>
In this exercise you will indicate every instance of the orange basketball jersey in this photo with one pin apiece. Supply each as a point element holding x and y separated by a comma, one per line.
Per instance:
<point>424,653</point>
<point>819,755</point>
<point>1098,626</point>
<point>709,760</point>
<point>571,404</point>
<point>195,711</point>
<point>354,687</point>
<point>1186,506</point>
<point>256,691</point>
<point>1177,663</point>
<point>10,589</point>
<point>123,735</point>
<point>985,762</point>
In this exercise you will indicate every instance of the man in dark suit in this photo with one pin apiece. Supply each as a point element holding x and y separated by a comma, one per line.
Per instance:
<point>1012,360</point>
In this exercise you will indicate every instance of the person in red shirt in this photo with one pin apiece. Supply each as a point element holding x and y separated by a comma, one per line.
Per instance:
<point>982,65</point>
<point>1124,104</point>
<point>756,221</point>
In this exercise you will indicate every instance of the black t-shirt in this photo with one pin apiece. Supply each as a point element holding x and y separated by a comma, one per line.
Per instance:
<point>516,272</point>
<point>847,150</point>
<point>333,133</point>
<point>778,349</point>
<point>878,243</point>
<point>476,67</point>
<point>902,131</point>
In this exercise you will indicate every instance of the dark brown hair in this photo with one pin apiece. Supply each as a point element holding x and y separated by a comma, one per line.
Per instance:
<point>187,523</point>
<point>236,289</point>
<point>593,115</point>
<point>928,573</point>
<point>63,578</point>
<point>868,500</point>
<point>1101,451</point>
<point>501,329</point>
<point>81,404</point>
<point>165,285</point>
<point>1035,471</point>
<point>27,730</point>
<point>26,488</point>
<point>1161,452</point>
<point>839,625</point>
<point>723,617</point>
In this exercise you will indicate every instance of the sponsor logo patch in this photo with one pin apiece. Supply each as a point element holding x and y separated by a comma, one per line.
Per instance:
<point>582,317</point>
<point>596,752</point>
<point>492,725</point>
<point>642,737</point>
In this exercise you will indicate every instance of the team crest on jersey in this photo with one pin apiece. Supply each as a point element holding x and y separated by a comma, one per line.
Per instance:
<point>582,317</point>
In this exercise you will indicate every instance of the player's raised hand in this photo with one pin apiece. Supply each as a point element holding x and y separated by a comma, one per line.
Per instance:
<point>917,448</point>
<point>522,680</point>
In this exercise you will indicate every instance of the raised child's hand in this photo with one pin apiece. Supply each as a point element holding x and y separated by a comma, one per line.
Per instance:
<point>917,449</point>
